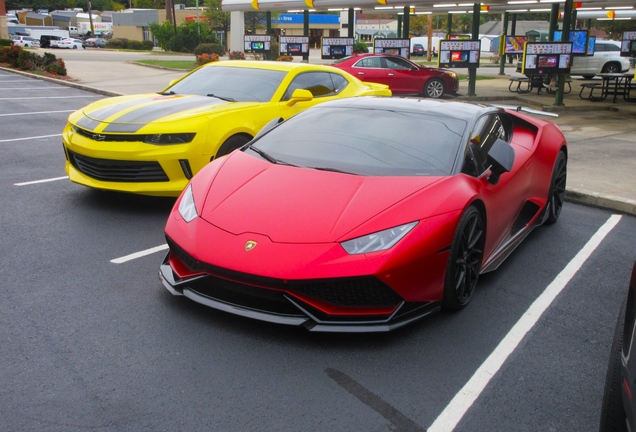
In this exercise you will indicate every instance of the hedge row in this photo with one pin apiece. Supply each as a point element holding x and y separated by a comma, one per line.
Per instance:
<point>123,43</point>
<point>24,60</point>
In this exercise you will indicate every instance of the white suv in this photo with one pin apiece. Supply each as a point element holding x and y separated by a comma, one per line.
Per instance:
<point>606,59</point>
<point>25,41</point>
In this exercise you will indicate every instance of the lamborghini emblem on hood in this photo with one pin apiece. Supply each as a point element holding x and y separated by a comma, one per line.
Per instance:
<point>250,245</point>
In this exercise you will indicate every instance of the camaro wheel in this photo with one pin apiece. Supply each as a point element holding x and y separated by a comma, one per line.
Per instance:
<point>556,195</point>
<point>612,412</point>
<point>464,261</point>
<point>232,144</point>
<point>434,88</point>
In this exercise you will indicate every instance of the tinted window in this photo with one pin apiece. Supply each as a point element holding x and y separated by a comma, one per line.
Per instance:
<point>320,84</point>
<point>610,47</point>
<point>367,142</point>
<point>240,84</point>
<point>397,63</point>
<point>484,134</point>
<point>369,62</point>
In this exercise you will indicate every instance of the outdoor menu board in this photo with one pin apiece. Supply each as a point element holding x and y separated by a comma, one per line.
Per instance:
<point>257,43</point>
<point>294,45</point>
<point>514,44</point>
<point>578,39</point>
<point>335,48</point>
<point>628,44</point>
<point>392,46</point>
<point>546,58</point>
<point>459,53</point>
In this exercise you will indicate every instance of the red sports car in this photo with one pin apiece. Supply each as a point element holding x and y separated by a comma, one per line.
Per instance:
<point>346,217</point>
<point>401,75</point>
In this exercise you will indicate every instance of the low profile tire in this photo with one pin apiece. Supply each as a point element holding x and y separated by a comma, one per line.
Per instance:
<point>612,68</point>
<point>75,47</point>
<point>464,261</point>
<point>613,417</point>
<point>232,144</point>
<point>556,196</point>
<point>434,88</point>
<point>587,77</point>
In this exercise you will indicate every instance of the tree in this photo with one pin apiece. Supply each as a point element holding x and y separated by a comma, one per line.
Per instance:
<point>216,18</point>
<point>187,38</point>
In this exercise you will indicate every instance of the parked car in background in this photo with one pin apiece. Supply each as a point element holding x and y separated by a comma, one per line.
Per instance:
<point>47,41</point>
<point>70,44</point>
<point>25,41</point>
<point>619,407</point>
<point>401,75</point>
<point>606,59</point>
<point>94,43</point>
<point>418,50</point>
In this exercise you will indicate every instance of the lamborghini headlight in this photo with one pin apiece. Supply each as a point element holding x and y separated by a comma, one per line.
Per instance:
<point>167,139</point>
<point>378,241</point>
<point>187,208</point>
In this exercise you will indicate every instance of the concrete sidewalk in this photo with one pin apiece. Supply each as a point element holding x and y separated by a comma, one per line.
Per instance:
<point>601,135</point>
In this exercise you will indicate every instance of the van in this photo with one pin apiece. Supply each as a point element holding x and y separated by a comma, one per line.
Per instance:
<point>49,41</point>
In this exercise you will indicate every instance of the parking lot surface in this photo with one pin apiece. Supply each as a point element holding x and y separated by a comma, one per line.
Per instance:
<point>90,340</point>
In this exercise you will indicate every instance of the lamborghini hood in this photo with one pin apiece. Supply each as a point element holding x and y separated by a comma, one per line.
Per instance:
<point>298,205</point>
<point>131,113</point>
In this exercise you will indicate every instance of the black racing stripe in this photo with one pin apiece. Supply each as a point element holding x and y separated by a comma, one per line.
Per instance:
<point>123,127</point>
<point>88,124</point>
<point>103,113</point>
<point>164,108</point>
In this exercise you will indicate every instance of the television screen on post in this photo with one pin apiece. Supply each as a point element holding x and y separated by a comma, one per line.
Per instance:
<point>459,53</point>
<point>550,61</point>
<point>257,46</point>
<point>514,44</point>
<point>578,39</point>
<point>257,43</point>
<point>547,58</point>
<point>336,47</point>
<point>294,45</point>
<point>591,45</point>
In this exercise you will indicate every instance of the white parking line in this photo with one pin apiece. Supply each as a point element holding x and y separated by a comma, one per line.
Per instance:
<point>36,112</point>
<point>453,413</point>
<point>30,138</point>
<point>139,254</point>
<point>40,181</point>
<point>30,88</point>
<point>53,97</point>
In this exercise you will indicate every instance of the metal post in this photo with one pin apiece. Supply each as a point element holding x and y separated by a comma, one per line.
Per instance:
<point>565,37</point>
<point>399,29</point>
<point>554,18</point>
<point>306,31</point>
<point>472,72</point>
<point>407,13</point>
<point>268,20</point>
<point>574,21</point>
<point>504,33</point>
<point>449,26</point>
<point>513,31</point>
<point>352,22</point>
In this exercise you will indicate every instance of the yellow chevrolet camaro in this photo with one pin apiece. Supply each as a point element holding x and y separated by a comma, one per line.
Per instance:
<point>152,144</point>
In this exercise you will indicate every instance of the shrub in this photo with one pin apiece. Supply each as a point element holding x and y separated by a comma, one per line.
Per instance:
<point>27,61</point>
<point>285,58</point>
<point>236,55</point>
<point>360,47</point>
<point>5,42</point>
<point>10,55</point>
<point>207,58</point>
<point>117,43</point>
<point>148,45</point>
<point>58,67</point>
<point>209,48</point>
<point>135,45</point>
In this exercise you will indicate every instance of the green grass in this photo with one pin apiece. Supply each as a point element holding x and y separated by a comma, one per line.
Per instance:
<point>463,77</point>
<point>186,65</point>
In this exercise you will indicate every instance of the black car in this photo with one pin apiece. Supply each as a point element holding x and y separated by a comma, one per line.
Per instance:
<point>418,50</point>
<point>619,406</point>
<point>45,40</point>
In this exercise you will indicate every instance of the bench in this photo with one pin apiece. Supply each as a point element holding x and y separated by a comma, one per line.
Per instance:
<point>591,87</point>
<point>520,81</point>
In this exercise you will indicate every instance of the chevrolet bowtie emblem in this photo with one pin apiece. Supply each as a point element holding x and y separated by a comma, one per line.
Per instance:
<point>250,245</point>
<point>98,137</point>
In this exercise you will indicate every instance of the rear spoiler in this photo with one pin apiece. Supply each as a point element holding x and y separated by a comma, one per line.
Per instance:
<point>526,110</point>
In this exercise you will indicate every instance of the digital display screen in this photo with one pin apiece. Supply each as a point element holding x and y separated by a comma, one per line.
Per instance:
<point>459,56</point>
<point>591,44</point>
<point>633,46</point>
<point>514,44</point>
<point>258,45</point>
<point>337,50</point>
<point>578,39</point>
<point>547,61</point>
<point>294,47</point>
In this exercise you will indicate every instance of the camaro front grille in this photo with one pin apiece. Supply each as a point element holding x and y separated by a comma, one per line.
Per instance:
<point>118,170</point>
<point>363,291</point>
<point>110,137</point>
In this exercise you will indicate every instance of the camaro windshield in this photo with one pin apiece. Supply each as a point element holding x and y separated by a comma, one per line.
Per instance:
<point>237,83</point>
<point>366,142</point>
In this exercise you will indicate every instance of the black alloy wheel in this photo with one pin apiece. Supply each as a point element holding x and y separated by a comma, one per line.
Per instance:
<point>612,68</point>
<point>434,88</point>
<point>556,196</point>
<point>464,262</point>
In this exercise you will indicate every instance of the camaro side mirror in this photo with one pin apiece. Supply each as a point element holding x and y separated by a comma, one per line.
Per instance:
<point>501,156</point>
<point>300,95</point>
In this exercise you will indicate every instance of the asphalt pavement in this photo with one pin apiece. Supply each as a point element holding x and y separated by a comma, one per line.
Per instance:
<point>601,135</point>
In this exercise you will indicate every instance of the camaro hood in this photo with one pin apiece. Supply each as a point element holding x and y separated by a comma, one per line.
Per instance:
<point>298,205</point>
<point>131,113</point>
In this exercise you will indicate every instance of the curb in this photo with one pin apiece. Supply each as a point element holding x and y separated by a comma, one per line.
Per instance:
<point>591,199</point>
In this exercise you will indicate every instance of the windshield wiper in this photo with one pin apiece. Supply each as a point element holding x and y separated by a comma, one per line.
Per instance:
<point>226,99</point>
<point>168,93</point>
<point>268,157</point>
<point>332,170</point>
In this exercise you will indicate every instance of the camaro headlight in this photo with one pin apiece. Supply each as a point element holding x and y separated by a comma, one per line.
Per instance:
<point>163,139</point>
<point>379,241</point>
<point>187,208</point>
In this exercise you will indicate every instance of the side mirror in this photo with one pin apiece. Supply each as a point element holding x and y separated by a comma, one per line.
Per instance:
<point>501,157</point>
<point>300,95</point>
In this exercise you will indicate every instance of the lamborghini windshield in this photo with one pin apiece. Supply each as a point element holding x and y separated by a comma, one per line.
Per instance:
<point>365,142</point>
<point>230,83</point>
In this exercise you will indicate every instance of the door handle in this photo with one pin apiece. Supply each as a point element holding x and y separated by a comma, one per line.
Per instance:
<point>360,73</point>
<point>390,74</point>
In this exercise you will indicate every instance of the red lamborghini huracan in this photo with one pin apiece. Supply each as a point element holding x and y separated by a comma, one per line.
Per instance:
<point>364,214</point>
